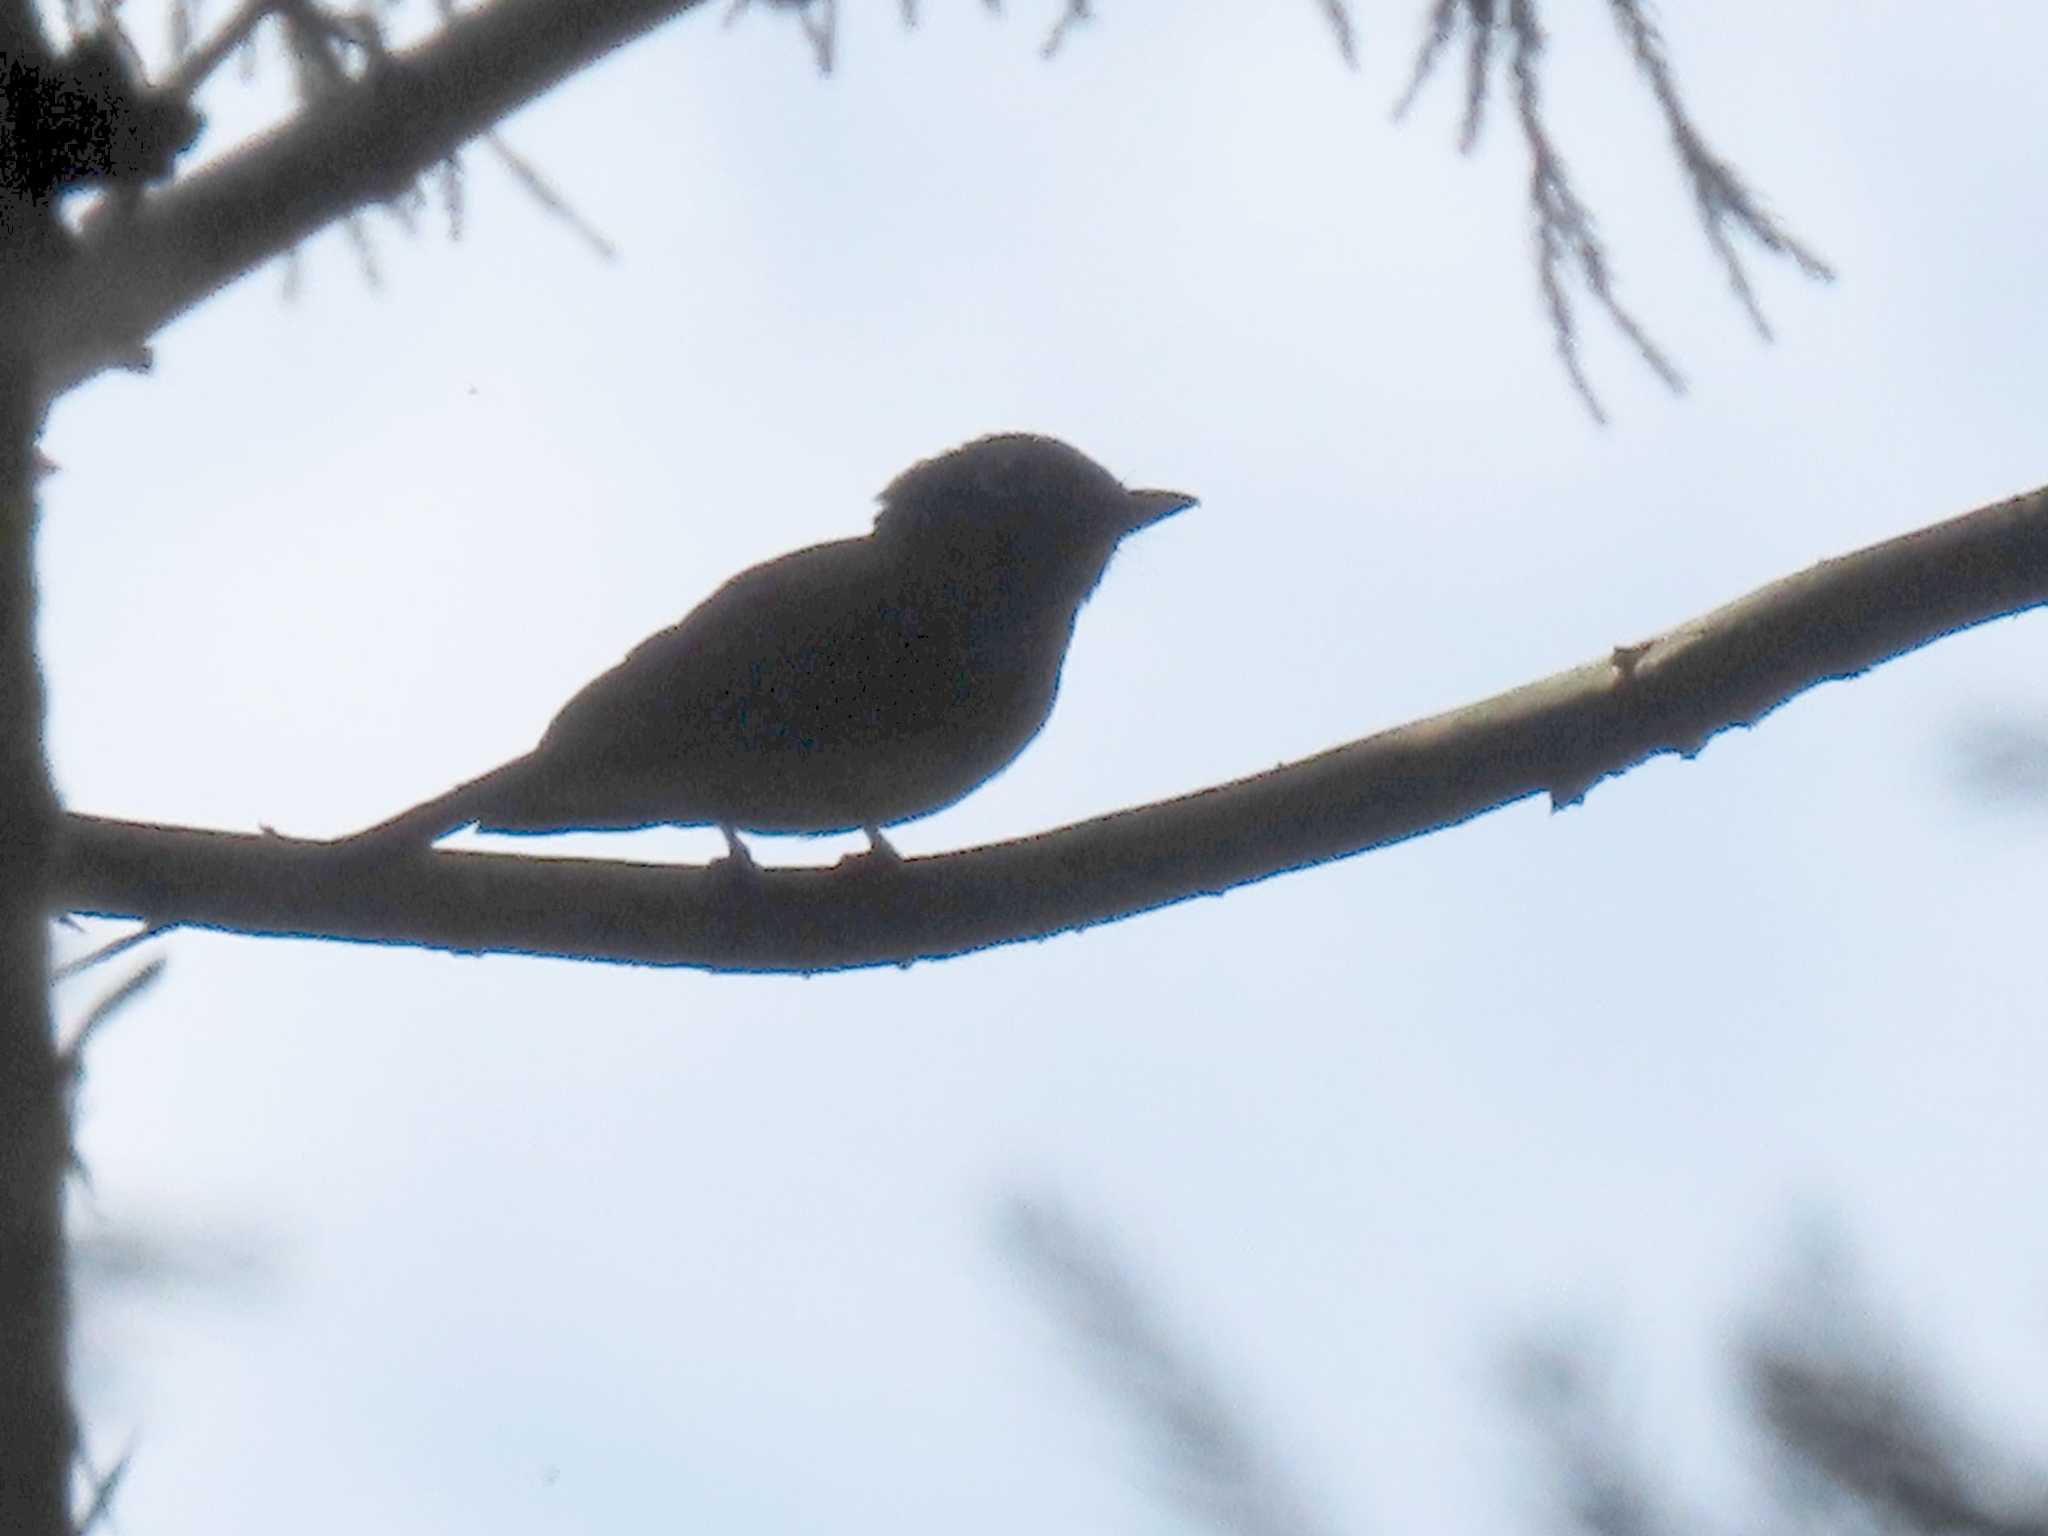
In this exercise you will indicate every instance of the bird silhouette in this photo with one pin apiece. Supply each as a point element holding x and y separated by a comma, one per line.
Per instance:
<point>850,685</point>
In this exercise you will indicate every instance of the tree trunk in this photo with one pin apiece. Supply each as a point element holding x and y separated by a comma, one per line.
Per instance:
<point>37,1431</point>
<point>36,1427</point>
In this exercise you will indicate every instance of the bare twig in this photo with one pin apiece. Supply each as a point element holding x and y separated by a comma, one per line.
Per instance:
<point>542,191</point>
<point>1597,1476</point>
<point>1209,1455</point>
<point>452,183</point>
<point>1338,14</point>
<point>817,19</point>
<point>194,68</point>
<point>1564,225</point>
<point>1719,193</point>
<point>71,1056</point>
<point>1566,243</point>
<point>1478,65</point>
<point>1443,21</point>
<point>1072,15</point>
<point>366,254</point>
<point>108,951</point>
<point>1855,1425</point>
<point>184,24</point>
<point>100,1505</point>
<point>1849,1429</point>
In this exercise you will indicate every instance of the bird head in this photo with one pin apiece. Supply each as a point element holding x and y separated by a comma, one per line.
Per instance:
<point>1022,493</point>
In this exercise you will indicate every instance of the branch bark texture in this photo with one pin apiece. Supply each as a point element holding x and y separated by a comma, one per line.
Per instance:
<point>1558,736</point>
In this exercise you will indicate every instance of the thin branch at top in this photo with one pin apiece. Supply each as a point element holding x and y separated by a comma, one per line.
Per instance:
<point>133,275</point>
<point>1719,192</point>
<point>1565,238</point>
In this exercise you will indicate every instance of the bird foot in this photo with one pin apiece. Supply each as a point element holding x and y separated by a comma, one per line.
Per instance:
<point>880,853</point>
<point>738,862</point>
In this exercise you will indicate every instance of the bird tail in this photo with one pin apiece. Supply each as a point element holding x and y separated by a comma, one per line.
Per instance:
<point>431,820</point>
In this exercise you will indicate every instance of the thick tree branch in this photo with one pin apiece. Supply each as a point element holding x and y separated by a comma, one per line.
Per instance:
<point>139,269</point>
<point>1558,736</point>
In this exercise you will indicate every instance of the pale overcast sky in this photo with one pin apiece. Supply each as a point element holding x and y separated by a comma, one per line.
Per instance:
<point>517,1245</point>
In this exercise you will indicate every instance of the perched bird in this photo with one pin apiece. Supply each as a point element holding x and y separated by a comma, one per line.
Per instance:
<point>848,685</point>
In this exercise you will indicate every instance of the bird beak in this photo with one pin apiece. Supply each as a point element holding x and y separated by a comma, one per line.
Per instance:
<point>1149,507</point>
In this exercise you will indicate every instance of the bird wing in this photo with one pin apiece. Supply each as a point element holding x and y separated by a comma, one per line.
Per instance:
<point>835,638</point>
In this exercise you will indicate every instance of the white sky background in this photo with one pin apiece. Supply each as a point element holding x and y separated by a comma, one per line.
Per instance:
<point>527,1246</point>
